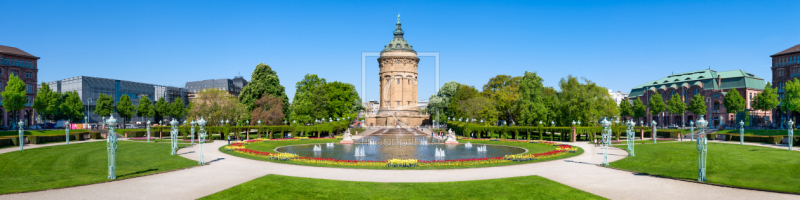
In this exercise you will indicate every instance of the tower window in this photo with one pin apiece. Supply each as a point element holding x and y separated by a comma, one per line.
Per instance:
<point>398,81</point>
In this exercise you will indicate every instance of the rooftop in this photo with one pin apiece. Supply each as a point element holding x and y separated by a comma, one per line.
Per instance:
<point>15,51</point>
<point>703,78</point>
<point>795,48</point>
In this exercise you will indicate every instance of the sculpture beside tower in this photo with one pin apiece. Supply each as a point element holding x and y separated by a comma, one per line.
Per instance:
<point>398,64</point>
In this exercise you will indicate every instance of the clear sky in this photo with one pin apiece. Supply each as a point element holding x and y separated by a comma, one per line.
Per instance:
<point>618,44</point>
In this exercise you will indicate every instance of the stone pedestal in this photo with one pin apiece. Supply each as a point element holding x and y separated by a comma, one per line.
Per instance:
<point>346,142</point>
<point>574,135</point>
<point>450,142</point>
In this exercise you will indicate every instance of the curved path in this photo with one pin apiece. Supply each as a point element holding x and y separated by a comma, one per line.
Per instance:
<point>225,171</point>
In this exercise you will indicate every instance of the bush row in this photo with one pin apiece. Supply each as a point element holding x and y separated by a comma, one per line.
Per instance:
<point>39,139</point>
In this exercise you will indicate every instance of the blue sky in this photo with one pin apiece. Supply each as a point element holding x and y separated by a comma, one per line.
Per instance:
<point>618,44</point>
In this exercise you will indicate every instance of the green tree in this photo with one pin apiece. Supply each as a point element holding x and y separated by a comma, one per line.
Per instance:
<point>479,108</point>
<point>125,108</point>
<point>697,105</point>
<point>162,109</point>
<point>215,105</point>
<point>263,81</point>
<point>441,101</point>
<point>503,90</point>
<point>177,109</point>
<point>104,106</point>
<point>72,107</point>
<point>14,97</point>
<point>733,102</point>
<point>768,99</point>
<point>675,105</point>
<point>625,109</point>
<point>639,110</point>
<point>47,103</point>
<point>531,101</point>
<point>584,101</point>
<point>310,101</point>
<point>656,104</point>
<point>343,99</point>
<point>145,108</point>
<point>463,93</point>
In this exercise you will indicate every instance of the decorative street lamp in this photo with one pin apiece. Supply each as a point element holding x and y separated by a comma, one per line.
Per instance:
<point>21,137</point>
<point>630,135</point>
<point>111,147</point>
<point>702,149</point>
<point>259,122</point>
<point>248,122</point>
<point>553,123</point>
<point>191,135</point>
<point>579,122</point>
<point>86,123</point>
<point>66,126</point>
<point>573,122</point>
<point>173,136</point>
<point>790,123</point>
<point>654,134</point>
<point>148,131</point>
<point>227,121</point>
<point>540,122</point>
<point>606,135</point>
<point>691,130</point>
<point>202,138</point>
<point>741,132</point>
<point>221,122</point>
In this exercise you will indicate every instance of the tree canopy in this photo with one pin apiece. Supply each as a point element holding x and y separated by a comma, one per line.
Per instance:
<point>263,81</point>
<point>733,102</point>
<point>310,100</point>
<point>656,104</point>
<point>125,108</point>
<point>104,106</point>
<point>697,105</point>
<point>145,108</point>
<point>531,101</point>
<point>72,107</point>
<point>639,110</point>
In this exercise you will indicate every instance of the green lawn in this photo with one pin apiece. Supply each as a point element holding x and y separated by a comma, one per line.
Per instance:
<point>727,164</point>
<point>285,187</point>
<point>270,146</point>
<point>755,132</point>
<point>48,132</point>
<point>83,163</point>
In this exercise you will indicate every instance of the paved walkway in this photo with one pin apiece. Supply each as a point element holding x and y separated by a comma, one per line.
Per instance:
<point>225,171</point>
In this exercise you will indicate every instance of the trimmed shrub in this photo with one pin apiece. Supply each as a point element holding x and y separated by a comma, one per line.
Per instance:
<point>750,138</point>
<point>6,142</point>
<point>711,136</point>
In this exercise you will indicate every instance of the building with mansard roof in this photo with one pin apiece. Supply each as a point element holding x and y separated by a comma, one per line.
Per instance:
<point>712,86</point>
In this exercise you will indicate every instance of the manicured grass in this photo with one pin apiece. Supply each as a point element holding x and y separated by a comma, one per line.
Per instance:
<point>83,163</point>
<point>755,132</point>
<point>727,164</point>
<point>48,132</point>
<point>271,145</point>
<point>286,187</point>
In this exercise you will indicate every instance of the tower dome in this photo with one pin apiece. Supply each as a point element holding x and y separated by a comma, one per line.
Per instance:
<point>398,42</point>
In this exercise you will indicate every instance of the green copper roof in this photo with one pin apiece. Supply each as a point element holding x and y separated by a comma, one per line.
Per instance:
<point>704,78</point>
<point>398,42</point>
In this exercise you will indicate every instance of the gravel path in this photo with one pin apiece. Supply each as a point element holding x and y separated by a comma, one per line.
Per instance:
<point>225,171</point>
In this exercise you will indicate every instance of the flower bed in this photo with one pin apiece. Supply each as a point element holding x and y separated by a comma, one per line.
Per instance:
<point>560,149</point>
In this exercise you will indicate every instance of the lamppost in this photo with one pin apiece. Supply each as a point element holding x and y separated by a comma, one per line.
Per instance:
<point>173,136</point>
<point>741,132</point>
<point>606,135</point>
<point>148,131</point>
<point>691,130</point>
<point>629,134</point>
<point>111,147</point>
<point>192,135</point>
<point>579,123</point>
<point>66,126</point>
<point>21,137</point>
<point>702,149</point>
<point>654,131</point>
<point>790,123</point>
<point>86,123</point>
<point>553,123</point>
<point>202,138</point>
